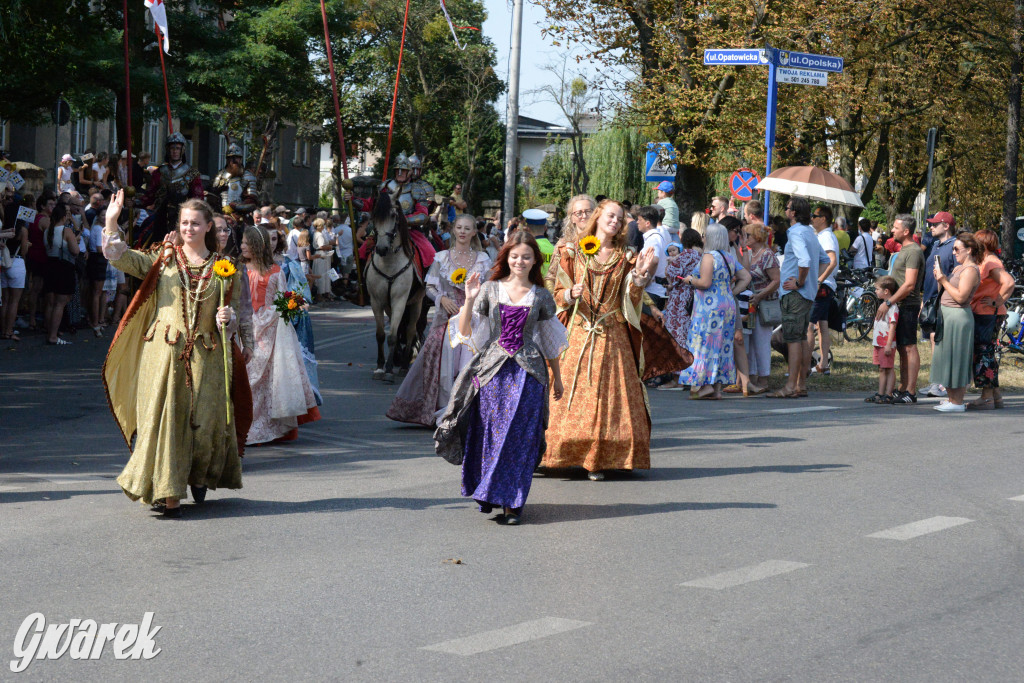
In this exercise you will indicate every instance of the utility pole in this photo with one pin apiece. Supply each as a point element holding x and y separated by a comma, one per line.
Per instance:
<point>512,114</point>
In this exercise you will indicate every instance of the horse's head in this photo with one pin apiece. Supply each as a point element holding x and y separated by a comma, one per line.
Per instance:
<point>390,226</point>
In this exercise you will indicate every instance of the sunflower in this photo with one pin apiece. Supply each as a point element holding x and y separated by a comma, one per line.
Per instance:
<point>227,210</point>
<point>224,268</point>
<point>589,245</point>
<point>459,276</point>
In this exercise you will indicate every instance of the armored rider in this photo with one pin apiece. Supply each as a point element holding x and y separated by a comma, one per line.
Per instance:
<point>171,184</point>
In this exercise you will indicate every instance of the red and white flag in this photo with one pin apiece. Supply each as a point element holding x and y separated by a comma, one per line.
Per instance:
<point>159,12</point>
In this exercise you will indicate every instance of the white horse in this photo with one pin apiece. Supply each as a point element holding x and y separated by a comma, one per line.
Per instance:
<point>394,288</point>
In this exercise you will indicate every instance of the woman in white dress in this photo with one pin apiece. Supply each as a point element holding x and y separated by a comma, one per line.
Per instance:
<point>322,248</point>
<point>282,397</point>
<point>424,394</point>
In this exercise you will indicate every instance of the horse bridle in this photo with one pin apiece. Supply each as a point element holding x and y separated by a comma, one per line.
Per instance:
<point>390,278</point>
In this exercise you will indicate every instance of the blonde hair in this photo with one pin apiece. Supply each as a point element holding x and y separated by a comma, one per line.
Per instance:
<point>699,221</point>
<point>319,224</point>
<point>757,231</point>
<point>303,239</point>
<point>568,226</point>
<point>474,242</point>
<point>621,237</point>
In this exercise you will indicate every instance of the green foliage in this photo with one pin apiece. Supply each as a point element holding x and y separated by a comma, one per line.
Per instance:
<point>874,211</point>
<point>615,161</point>
<point>553,184</point>
<point>473,157</point>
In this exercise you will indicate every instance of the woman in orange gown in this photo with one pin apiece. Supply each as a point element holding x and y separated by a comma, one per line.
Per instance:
<point>604,422</point>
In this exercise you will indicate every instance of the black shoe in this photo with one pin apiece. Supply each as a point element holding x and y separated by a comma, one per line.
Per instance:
<point>875,398</point>
<point>158,508</point>
<point>198,494</point>
<point>904,398</point>
<point>512,516</point>
<point>172,513</point>
<point>485,508</point>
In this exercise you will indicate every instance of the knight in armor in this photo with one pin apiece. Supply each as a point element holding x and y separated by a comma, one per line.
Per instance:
<point>401,188</point>
<point>422,191</point>
<point>171,184</point>
<point>235,184</point>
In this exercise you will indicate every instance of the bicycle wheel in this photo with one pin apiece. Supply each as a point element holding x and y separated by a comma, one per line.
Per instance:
<point>861,319</point>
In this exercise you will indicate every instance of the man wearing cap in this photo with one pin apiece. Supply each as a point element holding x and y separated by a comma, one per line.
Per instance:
<point>943,228</point>
<point>537,221</point>
<point>282,212</point>
<point>665,201</point>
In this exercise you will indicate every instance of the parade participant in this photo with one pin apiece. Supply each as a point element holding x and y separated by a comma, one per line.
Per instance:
<point>425,391</point>
<point>165,374</point>
<point>422,191</point>
<point>226,247</point>
<point>169,186</point>
<point>577,211</point>
<point>297,282</point>
<point>417,215</point>
<point>598,298</point>
<point>495,421</point>
<point>282,396</point>
<point>236,185</point>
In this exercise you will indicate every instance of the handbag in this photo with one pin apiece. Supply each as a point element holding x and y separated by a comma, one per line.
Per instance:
<point>769,313</point>
<point>930,313</point>
<point>938,324</point>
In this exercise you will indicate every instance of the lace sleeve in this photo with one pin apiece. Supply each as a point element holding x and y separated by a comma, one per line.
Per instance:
<point>480,324</point>
<point>432,280</point>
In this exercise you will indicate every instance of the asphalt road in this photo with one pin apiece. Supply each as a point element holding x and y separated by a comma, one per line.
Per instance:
<point>809,540</point>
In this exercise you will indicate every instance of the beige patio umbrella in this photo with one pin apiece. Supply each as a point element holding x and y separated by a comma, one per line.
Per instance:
<point>811,182</point>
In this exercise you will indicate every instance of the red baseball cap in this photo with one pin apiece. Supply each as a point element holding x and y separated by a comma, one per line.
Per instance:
<point>943,217</point>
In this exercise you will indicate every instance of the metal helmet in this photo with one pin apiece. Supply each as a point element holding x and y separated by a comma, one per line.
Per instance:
<point>415,163</point>
<point>176,138</point>
<point>402,161</point>
<point>233,150</point>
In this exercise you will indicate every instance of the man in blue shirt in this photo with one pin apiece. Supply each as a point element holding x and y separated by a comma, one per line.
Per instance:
<point>803,252</point>
<point>943,233</point>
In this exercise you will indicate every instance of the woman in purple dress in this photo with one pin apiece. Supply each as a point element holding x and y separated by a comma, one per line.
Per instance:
<point>495,420</point>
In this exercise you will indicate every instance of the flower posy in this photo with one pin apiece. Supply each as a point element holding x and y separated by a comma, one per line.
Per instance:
<point>590,244</point>
<point>289,304</point>
<point>224,269</point>
<point>459,276</point>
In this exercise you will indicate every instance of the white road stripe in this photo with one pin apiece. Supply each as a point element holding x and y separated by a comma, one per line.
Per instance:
<point>738,577</point>
<point>915,529</point>
<point>336,341</point>
<point>506,637</point>
<point>804,409</point>
<point>9,487</point>
<point>1017,498</point>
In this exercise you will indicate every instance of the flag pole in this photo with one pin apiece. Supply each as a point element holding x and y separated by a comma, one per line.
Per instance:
<point>341,149</point>
<point>163,70</point>
<point>128,126</point>
<point>394,98</point>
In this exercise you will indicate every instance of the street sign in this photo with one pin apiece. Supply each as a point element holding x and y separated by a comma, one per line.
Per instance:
<point>735,57</point>
<point>60,113</point>
<point>803,77</point>
<point>742,183</point>
<point>804,60</point>
<point>658,167</point>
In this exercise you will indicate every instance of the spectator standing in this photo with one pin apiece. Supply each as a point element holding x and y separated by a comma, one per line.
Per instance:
<point>665,201</point>
<point>101,172</point>
<point>343,249</point>
<point>679,305</point>
<point>719,208</point>
<point>719,279</point>
<point>764,282</point>
<point>863,246</point>
<point>647,222</point>
<point>842,233</point>
<point>36,262</point>
<point>803,252</point>
<point>908,271</point>
<point>952,362</point>
<point>942,228</point>
<point>752,212</point>
<point>323,246</point>
<point>292,247</point>
<point>883,341</point>
<point>59,281</point>
<point>96,273</point>
<point>989,308</point>
<point>821,221</point>
<point>12,280</point>
<point>699,222</point>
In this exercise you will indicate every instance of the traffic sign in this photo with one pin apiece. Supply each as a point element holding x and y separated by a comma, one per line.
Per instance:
<point>742,184</point>
<point>804,60</point>
<point>803,77</point>
<point>735,57</point>
<point>658,166</point>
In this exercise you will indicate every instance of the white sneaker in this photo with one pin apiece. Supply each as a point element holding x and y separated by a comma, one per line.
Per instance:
<point>947,407</point>
<point>939,391</point>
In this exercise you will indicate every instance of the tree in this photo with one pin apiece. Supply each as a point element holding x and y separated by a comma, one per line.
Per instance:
<point>574,99</point>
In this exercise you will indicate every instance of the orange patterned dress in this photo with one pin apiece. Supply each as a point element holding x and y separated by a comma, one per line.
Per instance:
<point>603,421</point>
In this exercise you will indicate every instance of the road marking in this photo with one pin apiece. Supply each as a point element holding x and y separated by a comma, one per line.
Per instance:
<point>915,529</point>
<point>341,339</point>
<point>738,577</point>
<point>4,488</point>
<point>506,637</point>
<point>805,409</point>
<point>1017,498</point>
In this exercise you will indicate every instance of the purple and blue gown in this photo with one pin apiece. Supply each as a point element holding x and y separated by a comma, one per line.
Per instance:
<point>496,417</point>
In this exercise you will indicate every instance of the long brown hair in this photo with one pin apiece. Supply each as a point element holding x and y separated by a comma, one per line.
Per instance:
<point>210,238</point>
<point>501,269</point>
<point>621,237</point>
<point>259,247</point>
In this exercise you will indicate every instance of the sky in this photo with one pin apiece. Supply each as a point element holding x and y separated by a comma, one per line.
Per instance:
<point>536,53</point>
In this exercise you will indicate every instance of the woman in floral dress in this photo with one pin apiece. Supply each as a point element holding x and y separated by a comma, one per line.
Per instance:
<point>680,296</point>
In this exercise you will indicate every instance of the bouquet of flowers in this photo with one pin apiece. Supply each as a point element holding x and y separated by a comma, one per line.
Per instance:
<point>289,304</point>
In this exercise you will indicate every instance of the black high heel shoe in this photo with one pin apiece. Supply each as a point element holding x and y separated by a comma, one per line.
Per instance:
<point>198,494</point>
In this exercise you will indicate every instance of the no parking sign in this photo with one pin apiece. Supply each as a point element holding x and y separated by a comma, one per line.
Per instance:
<point>742,184</point>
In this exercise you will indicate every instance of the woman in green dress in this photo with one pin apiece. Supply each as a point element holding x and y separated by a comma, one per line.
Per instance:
<point>165,373</point>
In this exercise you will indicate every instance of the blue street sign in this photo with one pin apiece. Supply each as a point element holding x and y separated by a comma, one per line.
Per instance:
<point>803,60</point>
<point>657,167</point>
<point>735,57</point>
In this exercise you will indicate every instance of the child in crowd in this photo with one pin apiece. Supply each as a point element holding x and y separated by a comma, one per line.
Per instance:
<point>673,250</point>
<point>883,338</point>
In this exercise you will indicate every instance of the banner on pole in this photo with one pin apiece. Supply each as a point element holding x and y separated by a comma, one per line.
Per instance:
<point>159,12</point>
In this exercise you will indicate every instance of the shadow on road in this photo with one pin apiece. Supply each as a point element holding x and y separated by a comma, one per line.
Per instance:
<point>552,513</point>
<point>216,508</point>
<point>675,473</point>
<point>8,497</point>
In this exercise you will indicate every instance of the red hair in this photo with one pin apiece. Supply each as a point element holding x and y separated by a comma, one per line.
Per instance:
<point>519,237</point>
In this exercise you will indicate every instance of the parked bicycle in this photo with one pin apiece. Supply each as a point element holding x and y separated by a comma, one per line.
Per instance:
<point>858,302</point>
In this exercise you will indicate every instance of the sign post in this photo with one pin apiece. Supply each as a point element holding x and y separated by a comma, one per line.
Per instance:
<point>801,68</point>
